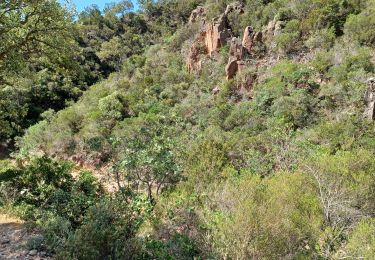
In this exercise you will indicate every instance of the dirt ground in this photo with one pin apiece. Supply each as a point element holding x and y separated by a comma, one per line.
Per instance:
<point>13,240</point>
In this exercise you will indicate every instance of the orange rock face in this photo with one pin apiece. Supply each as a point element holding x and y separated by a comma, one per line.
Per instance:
<point>217,34</point>
<point>239,49</point>
<point>194,62</point>
<point>250,37</point>
<point>214,35</point>
<point>231,68</point>
<point>210,40</point>
<point>236,54</point>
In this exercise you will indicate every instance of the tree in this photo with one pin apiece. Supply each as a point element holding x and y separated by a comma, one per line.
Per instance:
<point>37,65</point>
<point>118,8</point>
<point>30,30</point>
<point>147,158</point>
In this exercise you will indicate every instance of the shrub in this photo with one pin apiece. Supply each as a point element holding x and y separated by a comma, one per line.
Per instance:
<point>207,157</point>
<point>361,242</point>
<point>112,107</point>
<point>322,39</point>
<point>287,40</point>
<point>345,182</point>
<point>108,230</point>
<point>322,62</point>
<point>287,93</point>
<point>296,109</point>
<point>270,218</point>
<point>44,185</point>
<point>360,27</point>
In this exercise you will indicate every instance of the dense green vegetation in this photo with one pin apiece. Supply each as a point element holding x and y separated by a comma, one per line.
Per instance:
<point>287,172</point>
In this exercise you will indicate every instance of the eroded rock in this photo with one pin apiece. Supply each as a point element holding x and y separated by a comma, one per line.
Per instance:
<point>273,29</point>
<point>236,54</point>
<point>216,90</point>
<point>214,35</point>
<point>194,61</point>
<point>235,7</point>
<point>250,38</point>
<point>197,14</point>
<point>231,68</point>
<point>236,49</point>
<point>217,34</point>
<point>33,252</point>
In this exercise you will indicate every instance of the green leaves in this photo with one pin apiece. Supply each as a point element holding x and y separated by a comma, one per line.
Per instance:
<point>287,93</point>
<point>146,155</point>
<point>31,29</point>
<point>44,185</point>
<point>360,27</point>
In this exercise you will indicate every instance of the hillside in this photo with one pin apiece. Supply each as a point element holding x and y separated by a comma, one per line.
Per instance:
<point>191,129</point>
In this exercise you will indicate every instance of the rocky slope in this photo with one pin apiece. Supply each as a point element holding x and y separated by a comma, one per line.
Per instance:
<point>14,237</point>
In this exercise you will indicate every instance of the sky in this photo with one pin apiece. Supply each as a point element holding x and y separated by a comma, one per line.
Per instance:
<point>81,4</point>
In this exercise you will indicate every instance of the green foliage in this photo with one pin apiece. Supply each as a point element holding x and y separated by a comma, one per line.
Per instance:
<point>287,93</point>
<point>322,39</point>
<point>108,230</point>
<point>345,182</point>
<point>147,156</point>
<point>286,41</point>
<point>31,28</point>
<point>206,159</point>
<point>243,227</point>
<point>361,242</point>
<point>322,62</point>
<point>43,185</point>
<point>37,61</point>
<point>360,27</point>
<point>274,164</point>
<point>112,108</point>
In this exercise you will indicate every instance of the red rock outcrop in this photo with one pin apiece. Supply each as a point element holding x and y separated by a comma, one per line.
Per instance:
<point>197,14</point>
<point>238,50</point>
<point>250,37</point>
<point>273,28</point>
<point>235,7</point>
<point>214,35</point>
<point>231,68</point>
<point>217,34</point>
<point>194,61</point>
<point>236,54</point>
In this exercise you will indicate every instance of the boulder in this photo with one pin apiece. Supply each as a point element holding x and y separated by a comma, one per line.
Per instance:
<point>216,90</point>
<point>231,68</point>
<point>33,252</point>
<point>273,28</point>
<point>236,49</point>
